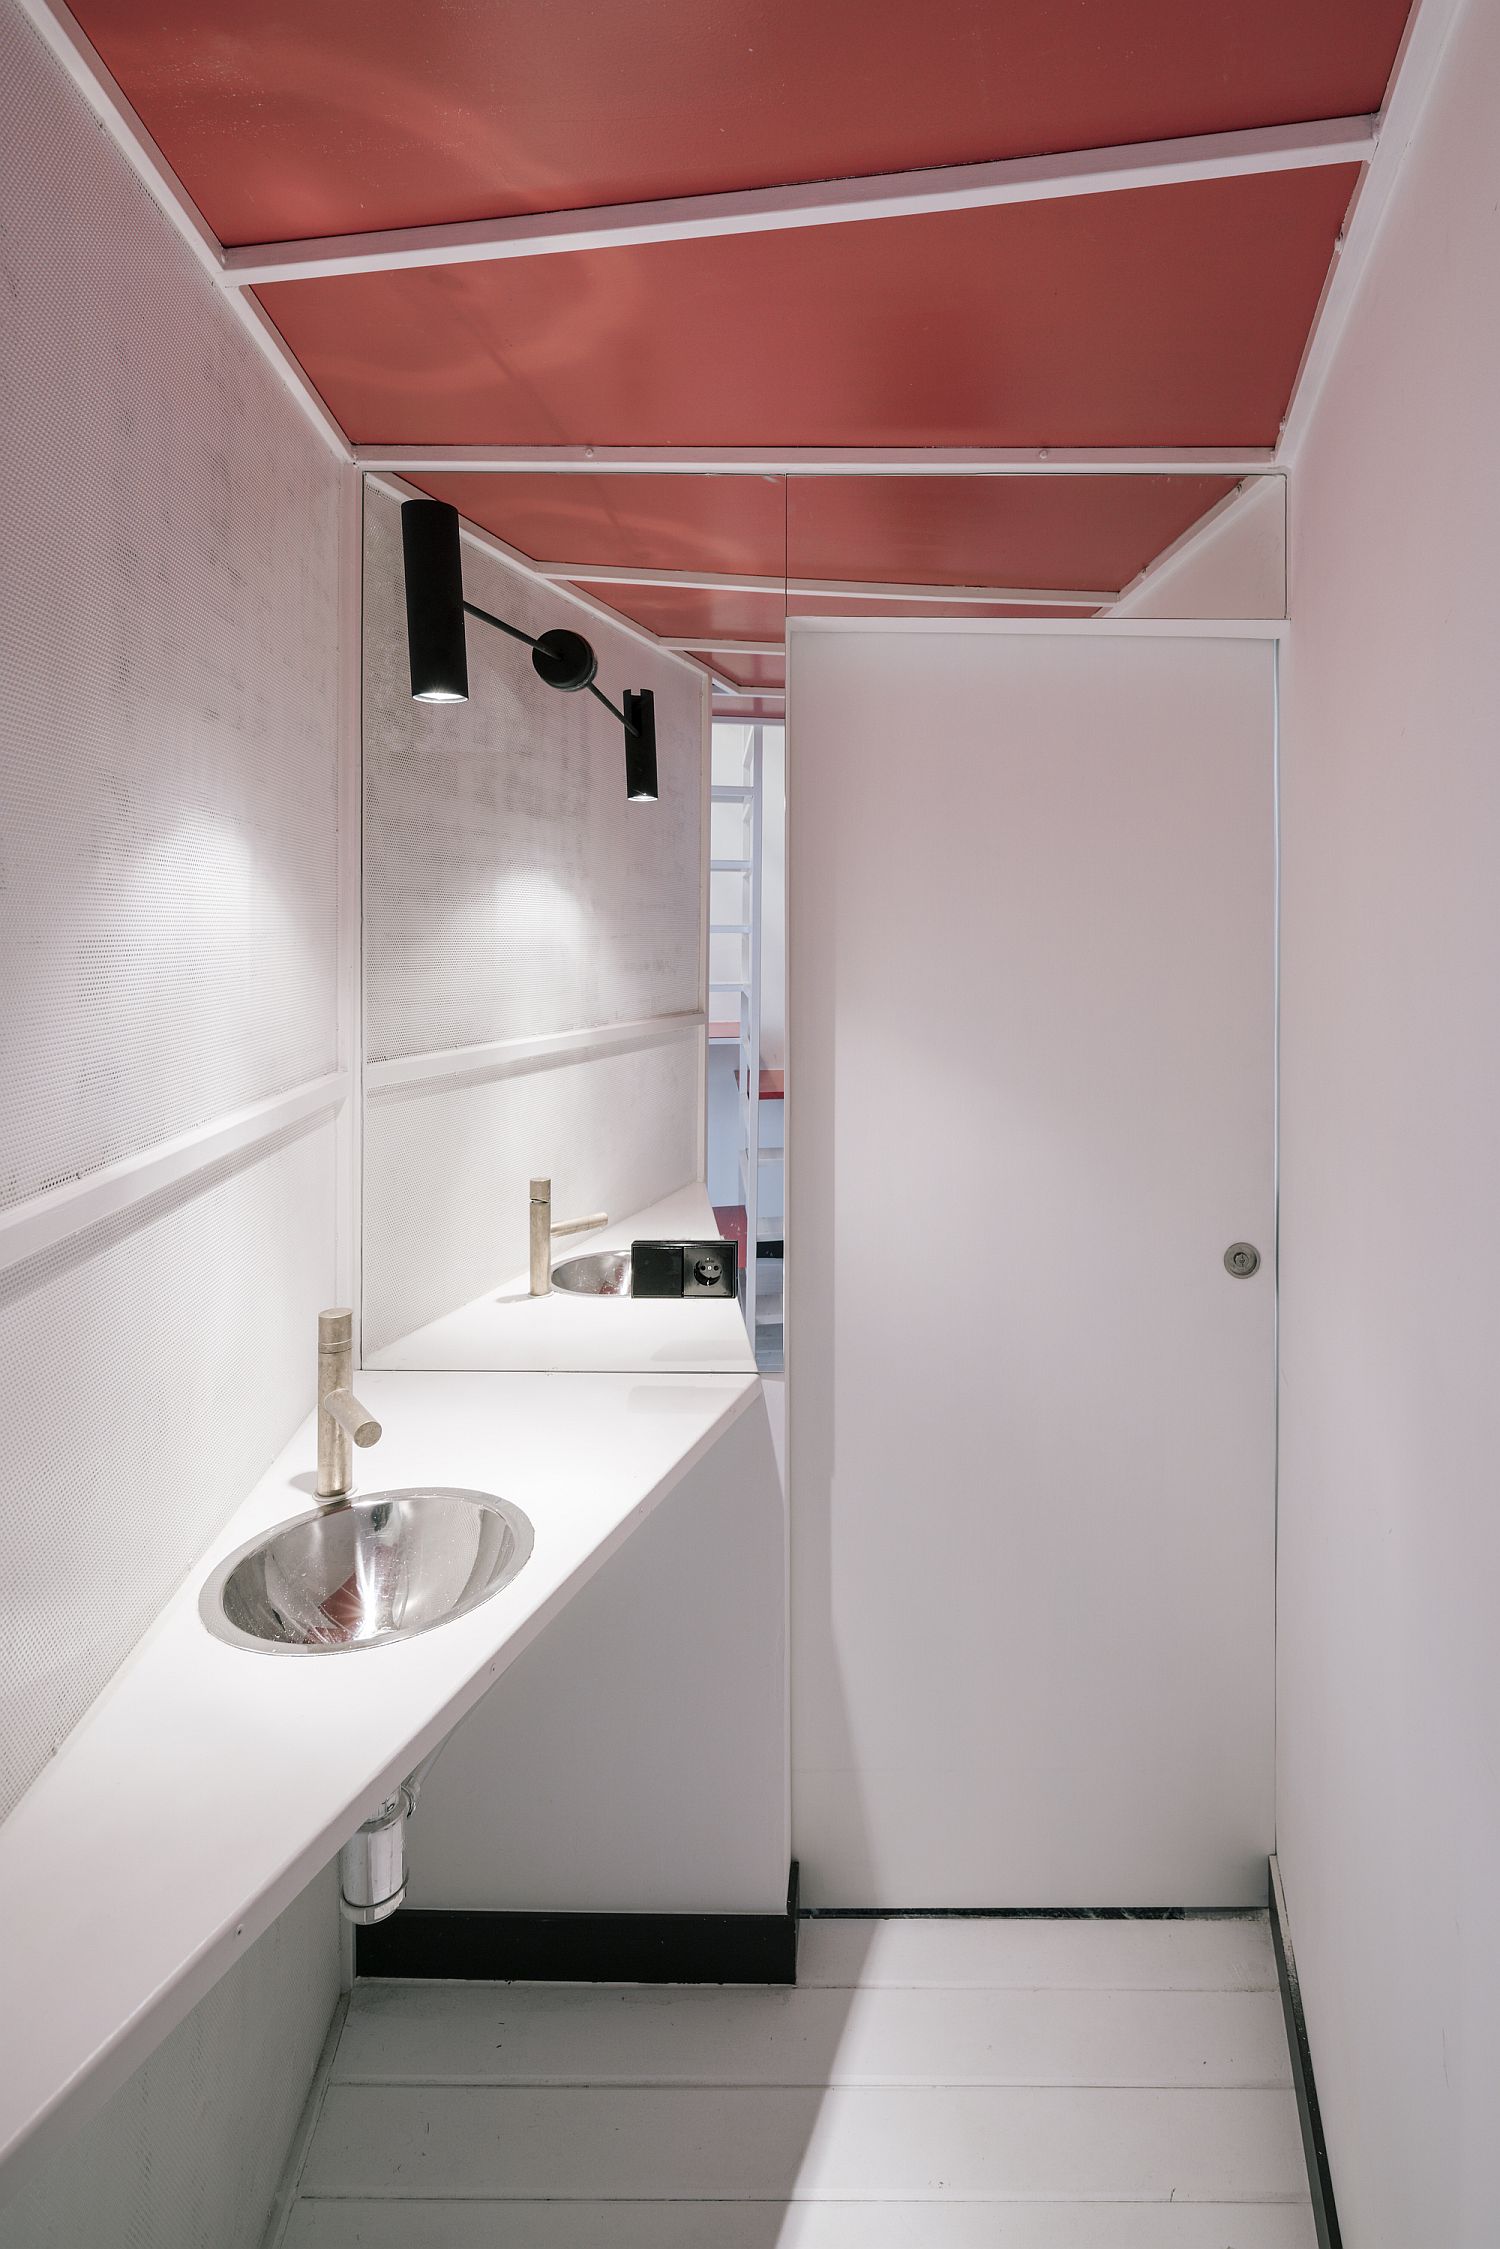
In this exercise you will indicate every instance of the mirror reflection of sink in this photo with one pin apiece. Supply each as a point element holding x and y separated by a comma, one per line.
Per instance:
<point>364,1571</point>
<point>604,1272</point>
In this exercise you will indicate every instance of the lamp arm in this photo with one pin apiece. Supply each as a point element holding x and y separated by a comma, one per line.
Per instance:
<point>600,697</point>
<point>472,610</point>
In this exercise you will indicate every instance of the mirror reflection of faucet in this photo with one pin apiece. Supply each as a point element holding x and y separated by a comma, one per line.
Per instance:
<point>543,1229</point>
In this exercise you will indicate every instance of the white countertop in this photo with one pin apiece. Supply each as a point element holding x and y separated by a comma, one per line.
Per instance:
<point>509,1329</point>
<point>208,1784</point>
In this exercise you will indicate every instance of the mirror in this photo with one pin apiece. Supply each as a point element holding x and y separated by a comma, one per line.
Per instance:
<point>564,985</point>
<point>536,946</point>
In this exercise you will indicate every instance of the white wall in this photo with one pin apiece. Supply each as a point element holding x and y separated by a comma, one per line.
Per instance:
<point>509,891</point>
<point>1389,1816</point>
<point>188,2153</point>
<point>773,898</point>
<point>169,580</point>
<point>634,1758</point>
<point>1030,1414</point>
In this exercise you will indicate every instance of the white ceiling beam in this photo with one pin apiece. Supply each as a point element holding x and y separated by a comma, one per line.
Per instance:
<point>815,460</point>
<point>823,589</point>
<point>775,210</point>
<point>726,645</point>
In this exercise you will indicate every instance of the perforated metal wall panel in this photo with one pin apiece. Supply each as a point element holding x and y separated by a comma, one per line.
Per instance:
<point>169,612</point>
<point>231,2079</point>
<point>509,887</point>
<point>447,1168</point>
<point>168,907</point>
<point>150,1370</point>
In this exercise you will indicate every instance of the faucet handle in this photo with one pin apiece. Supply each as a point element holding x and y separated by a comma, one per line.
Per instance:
<point>356,1421</point>
<point>336,1329</point>
<point>582,1225</point>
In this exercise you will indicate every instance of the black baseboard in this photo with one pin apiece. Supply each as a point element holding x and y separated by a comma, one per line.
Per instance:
<point>1319,2176</point>
<point>753,1948</point>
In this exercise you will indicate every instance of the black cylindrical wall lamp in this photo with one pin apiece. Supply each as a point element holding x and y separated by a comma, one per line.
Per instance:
<point>434,602</point>
<point>640,745</point>
<point>435,612</point>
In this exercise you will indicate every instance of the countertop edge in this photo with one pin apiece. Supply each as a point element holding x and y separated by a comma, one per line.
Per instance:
<point>25,2143</point>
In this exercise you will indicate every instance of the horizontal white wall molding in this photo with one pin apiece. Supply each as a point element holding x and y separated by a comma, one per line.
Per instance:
<point>818,460</point>
<point>498,1057</point>
<point>824,589</point>
<point>775,210</point>
<point>43,1220</point>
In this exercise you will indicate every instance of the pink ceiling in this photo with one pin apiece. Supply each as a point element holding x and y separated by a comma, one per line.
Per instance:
<point>1168,316</point>
<point>293,117</point>
<point>1061,532</point>
<point>748,671</point>
<point>679,614</point>
<point>1163,317</point>
<point>718,523</point>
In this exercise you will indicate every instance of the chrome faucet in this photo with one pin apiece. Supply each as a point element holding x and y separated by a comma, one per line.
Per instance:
<point>342,1421</point>
<point>543,1229</point>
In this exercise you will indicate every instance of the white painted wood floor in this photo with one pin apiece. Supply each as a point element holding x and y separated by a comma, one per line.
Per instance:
<point>948,2084</point>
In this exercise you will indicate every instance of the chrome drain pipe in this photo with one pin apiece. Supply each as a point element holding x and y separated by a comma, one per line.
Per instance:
<point>372,1864</point>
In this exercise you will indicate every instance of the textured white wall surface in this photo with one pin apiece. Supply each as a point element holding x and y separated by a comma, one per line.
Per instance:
<point>1389,1812</point>
<point>509,891</point>
<point>167,599</point>
<point>168,913</point>
<point>188,2153</point>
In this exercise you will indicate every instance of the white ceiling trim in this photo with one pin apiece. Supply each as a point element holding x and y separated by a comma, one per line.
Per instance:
<point>726,645</point>
<point>826,589</point>
<point>776,210</point>
<point>1412,77</point>
<point>817,460</point>
<point>1142,628</point>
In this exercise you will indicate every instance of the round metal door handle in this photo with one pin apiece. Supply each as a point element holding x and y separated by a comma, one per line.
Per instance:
<point>1242,1259</point>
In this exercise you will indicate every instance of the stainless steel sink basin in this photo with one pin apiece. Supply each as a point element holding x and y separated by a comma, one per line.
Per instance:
<point>364,1571</point>
<point>604,1272</point>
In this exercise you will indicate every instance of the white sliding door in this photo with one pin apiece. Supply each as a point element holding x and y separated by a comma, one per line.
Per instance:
<point>1031,1023</point>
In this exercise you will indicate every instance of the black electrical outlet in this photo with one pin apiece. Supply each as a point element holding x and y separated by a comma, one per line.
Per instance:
<point>709,1268</point>
<point>684,1269</point>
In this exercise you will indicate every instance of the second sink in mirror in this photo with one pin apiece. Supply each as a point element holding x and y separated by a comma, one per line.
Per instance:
<point>603,1272</point>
